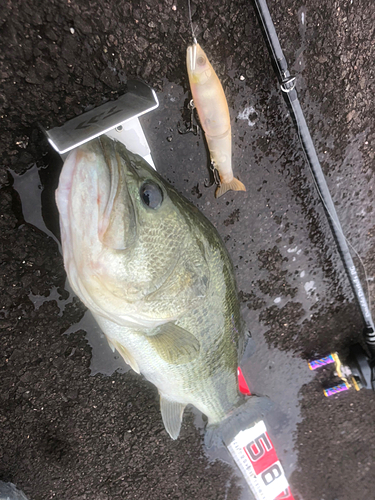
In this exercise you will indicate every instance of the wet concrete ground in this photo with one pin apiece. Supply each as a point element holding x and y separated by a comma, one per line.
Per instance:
<point>67,434</point>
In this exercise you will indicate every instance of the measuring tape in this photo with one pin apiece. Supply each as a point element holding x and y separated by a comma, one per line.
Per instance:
<point>256,457</point>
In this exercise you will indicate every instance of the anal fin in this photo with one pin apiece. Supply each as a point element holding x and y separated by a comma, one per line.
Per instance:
<point>171,413</point>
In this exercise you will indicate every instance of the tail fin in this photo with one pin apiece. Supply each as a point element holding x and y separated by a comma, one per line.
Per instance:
<point>252,409</point>
<point>234,185</point>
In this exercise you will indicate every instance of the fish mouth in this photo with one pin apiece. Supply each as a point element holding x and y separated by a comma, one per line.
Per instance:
<point>107,150</point>
<point>117,225</point>
<point>93,193</point>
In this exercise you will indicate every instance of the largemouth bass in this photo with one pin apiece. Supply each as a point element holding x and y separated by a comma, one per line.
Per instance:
<point>156,276</point>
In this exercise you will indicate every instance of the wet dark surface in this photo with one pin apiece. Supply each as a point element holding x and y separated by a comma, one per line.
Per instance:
<point>67,434</point>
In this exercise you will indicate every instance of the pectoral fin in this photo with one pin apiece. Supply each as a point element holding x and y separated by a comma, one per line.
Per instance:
<point>128,358</point>
<point>171,413</point>
<point>175,344</point>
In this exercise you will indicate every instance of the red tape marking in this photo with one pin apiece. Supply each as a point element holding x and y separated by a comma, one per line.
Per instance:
<point>244,388</point>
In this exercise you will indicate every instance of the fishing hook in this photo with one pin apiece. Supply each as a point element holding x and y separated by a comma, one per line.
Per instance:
<point>191,128</point>
<point>215,178</point>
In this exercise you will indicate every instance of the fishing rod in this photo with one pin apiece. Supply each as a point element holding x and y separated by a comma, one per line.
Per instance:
<point>358,370</point>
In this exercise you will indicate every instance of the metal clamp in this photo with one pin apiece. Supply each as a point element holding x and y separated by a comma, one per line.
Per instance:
<point>289,84</point>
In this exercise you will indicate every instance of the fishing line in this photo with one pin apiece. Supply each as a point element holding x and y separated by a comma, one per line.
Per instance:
<point>335,223</point>
<point>191,23</point>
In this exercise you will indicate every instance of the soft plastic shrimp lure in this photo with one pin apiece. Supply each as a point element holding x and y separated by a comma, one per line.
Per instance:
<point>211,105</point>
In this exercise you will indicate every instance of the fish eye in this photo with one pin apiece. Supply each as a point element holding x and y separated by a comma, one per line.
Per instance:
<point>151,194</point>
<point>201,61</point>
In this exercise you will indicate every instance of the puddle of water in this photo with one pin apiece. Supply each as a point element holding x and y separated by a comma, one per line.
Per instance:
<point>54,294</point>
<point>358,223</point>
<point>30,189</point>
<point>103,359</point>
<point>279,375</point>
<point>268,216</point>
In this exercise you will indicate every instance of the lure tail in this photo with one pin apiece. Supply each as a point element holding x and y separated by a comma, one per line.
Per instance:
<point>233,185</point>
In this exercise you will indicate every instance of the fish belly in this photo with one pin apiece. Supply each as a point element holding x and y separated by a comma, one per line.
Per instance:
<point>186,384</point>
